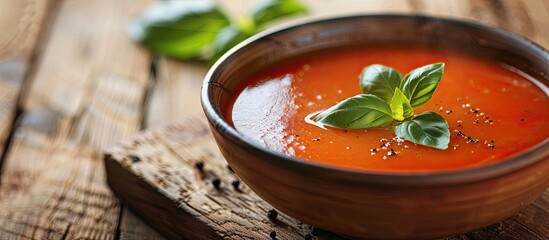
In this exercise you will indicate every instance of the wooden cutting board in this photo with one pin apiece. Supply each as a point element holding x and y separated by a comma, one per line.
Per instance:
<point>177,180</point>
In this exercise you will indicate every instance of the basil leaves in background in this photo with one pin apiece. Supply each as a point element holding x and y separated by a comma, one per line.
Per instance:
<point>269,10</point>
<point>198,29</point>
<point>182,29</point>
<point>388,98</point>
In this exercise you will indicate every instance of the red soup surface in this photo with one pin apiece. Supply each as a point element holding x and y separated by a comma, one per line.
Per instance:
<point>493,110</point>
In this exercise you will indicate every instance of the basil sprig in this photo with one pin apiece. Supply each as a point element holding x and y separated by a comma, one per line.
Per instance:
<point>390,99</point>
<point>199,30</point>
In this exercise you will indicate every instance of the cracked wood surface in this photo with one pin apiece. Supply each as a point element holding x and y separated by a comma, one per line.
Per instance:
<point>87,93</point>
<point>76,84</point>
<point>156,174</point>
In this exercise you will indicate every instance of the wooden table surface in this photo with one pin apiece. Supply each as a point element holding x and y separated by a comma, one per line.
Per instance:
<point>72,83</point>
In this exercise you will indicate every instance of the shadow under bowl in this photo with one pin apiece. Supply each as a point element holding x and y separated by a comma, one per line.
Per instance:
<point>362,204</point>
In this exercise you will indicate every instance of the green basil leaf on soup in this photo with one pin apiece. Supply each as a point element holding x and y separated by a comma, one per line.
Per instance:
<point>227,38</point>
<point>358,112</point>
<point>400,105</point>
<point>428,129</point>
<point>420,84</point>
<point>270,10</point>
<point>180,29</point>
<point>380,80</point>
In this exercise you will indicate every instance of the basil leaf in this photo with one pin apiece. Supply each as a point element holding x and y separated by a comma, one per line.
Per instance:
<point>428,129</point>
<point>358,112</point>
<point>181,29</point>
<point>380,80</point>
<point>227,38</point>
<point>269,10</point>
<point>420,84</point>
<point>400,105</point>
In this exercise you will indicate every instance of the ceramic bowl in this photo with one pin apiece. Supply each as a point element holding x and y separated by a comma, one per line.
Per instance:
<point>379,205</point>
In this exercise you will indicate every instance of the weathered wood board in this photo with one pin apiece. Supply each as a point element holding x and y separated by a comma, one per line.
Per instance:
<point>23,24</point>
<point>158,175</point>
<point>86,92</point>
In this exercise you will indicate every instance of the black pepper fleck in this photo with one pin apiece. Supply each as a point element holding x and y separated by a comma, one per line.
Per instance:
<point>391,153</point>
<point>471,140</point>
<point>136,159</point>
<point>272,235</point>
<point>230,168</point>
<point>522,119</point>
<point>216,182</point>
<point>459,133</point>
<point>236,184</point>
<point>272,214</point>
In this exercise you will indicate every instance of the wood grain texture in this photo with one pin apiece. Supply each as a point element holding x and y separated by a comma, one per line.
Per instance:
<point>132,227</point>
<point>22,24</point>
<point>176,92</point>
<point>157,174</point>
<point>87,93</point>
<point>526,18</point>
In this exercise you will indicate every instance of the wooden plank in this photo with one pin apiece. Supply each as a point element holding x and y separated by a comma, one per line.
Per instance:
<point>176,92</point>
<point>87,93</point>
<point>22,23</point>
<point>539,15</point>
<point>156,173</point>
<point>527,18</point>
<point>132,227</point>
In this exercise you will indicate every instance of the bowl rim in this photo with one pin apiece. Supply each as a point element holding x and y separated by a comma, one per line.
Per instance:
<point>522,159</point>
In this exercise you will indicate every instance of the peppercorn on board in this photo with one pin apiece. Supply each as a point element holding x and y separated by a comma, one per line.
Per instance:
<point>177,180</point>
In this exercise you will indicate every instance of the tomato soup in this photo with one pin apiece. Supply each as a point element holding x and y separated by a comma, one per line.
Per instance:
<point>493,111</point>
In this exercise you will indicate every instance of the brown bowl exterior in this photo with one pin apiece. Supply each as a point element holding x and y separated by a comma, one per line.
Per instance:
<point>378,205</point>
<point>377,211</point>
